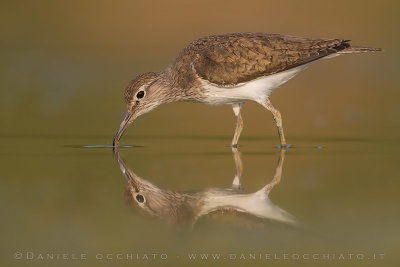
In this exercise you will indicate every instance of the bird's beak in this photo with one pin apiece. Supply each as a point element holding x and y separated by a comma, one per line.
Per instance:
<point>129,118</point>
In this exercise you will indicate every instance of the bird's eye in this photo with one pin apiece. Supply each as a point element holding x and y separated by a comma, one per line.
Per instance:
<point>140,94</point>
<point>140,198</point>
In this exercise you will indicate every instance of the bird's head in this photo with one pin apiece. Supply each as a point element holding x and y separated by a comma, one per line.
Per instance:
<point>142,94</point>
<point>149,199</point>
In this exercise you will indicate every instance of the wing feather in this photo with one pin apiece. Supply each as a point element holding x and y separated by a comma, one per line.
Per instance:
<point>236,58</point>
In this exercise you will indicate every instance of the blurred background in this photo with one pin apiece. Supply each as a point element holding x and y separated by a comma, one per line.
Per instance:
<point>65,65</point>
<point>63,69</point>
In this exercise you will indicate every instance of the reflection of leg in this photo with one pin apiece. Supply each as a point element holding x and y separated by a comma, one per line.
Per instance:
<point>278,173</point>
<point>237,157</point>
<point>278,120</point>
<point>239,124</point>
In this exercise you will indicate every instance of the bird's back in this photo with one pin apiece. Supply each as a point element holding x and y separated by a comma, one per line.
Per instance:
<point>231,59</point>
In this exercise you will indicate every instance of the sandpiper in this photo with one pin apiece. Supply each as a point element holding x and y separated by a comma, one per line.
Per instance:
<point>185,208</point>
<point>230,69</point>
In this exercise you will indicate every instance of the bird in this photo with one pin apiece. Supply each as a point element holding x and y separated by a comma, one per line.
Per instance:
<point>184,209</point>
<point>230,69</point>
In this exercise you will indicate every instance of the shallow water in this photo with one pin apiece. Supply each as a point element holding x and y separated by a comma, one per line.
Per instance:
<point>63,197</point>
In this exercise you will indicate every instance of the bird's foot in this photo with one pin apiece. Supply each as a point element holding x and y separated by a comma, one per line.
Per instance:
<point>284,146</point>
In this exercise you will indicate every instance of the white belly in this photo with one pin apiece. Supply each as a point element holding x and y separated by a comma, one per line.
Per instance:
<point>257,90</point>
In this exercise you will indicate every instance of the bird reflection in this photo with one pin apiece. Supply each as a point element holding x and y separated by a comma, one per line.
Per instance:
<point>185,208</point>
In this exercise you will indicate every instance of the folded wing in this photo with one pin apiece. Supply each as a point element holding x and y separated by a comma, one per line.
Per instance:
<point>237,58</point>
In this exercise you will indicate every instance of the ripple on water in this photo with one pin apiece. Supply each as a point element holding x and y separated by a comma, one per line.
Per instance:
<point>102,146</point>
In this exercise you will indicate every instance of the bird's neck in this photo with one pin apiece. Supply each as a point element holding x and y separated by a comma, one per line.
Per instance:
<point>169,90</point>
<point>181,85</point>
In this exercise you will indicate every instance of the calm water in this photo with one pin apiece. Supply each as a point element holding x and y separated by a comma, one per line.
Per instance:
<point>335,196</point>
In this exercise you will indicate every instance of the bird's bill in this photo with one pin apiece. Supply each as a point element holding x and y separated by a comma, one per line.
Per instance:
<point>129,118</point>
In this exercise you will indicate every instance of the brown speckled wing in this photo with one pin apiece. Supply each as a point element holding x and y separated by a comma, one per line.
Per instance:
<point>235,58</point>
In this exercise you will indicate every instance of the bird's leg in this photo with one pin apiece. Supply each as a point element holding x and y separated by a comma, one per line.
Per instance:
<point>278,120</point>
<point>278,173</point>
<point>237,157</point>
<point>239,124</point>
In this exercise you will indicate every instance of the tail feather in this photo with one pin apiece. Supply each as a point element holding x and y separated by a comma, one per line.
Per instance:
<point>358,49</point>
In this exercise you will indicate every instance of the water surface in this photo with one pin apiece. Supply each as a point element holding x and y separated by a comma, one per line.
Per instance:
<point>61,196</point>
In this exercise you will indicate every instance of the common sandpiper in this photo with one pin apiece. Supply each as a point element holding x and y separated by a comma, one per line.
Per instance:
<point>230,69</point>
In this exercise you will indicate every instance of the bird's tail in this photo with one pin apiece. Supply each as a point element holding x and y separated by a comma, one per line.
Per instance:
<point>358,49</point>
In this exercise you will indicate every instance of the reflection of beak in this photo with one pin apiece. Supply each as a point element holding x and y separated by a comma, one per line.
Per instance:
<point>130,176</point>
<point>125,123</point>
